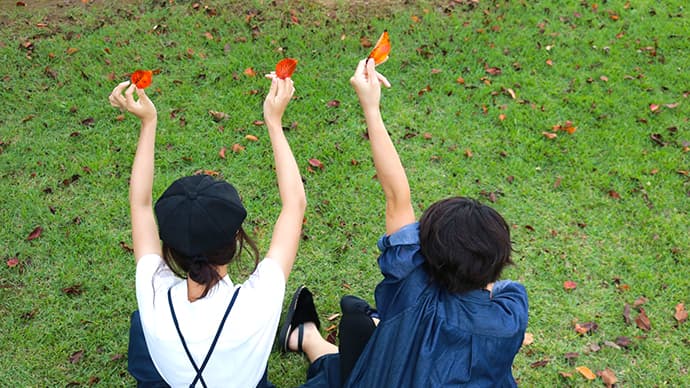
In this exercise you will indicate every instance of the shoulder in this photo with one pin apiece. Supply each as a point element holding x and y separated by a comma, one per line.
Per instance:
<point>407,235</point>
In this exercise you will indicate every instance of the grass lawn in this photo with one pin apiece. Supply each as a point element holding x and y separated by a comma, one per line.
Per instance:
<point>484,97</point>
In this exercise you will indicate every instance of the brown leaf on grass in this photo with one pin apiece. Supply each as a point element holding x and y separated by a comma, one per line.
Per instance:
<point>540,363</point>
<point>73,290</point>
<point>333,317</point>
<point>93,380</point>
<point>208,35</point>
<point>640,301</point>
<point>12,262</point>
<point>608,376</point>
<point>365,42</point>
<point>569,285</point>
<point>426,89</point>
<point>117,357</point>
<point>586,327</point>
<point>126,247</point>
<point>493,70</point>
<point>36,233</point>
<point>76,356</point>
<point>332,337</point>
<point>249,72</point>
<point>218,116</point>
<point>72,50</point>
<point>623,342</point>
<point>672,106</point>
<point>70,180</point>
<point>258,123</point>
<point>654,107</point>
<point>565,375</point>
<point>501,116</point>
<point>221,153</point>
<point>251,138</point>
<point>681,314</point>
<point>549,62</point>
<point>642,321</point>
<point>236,148</point>
<point>586,372</point>
<point>549,135</point>
<point>614,194</point>
<point>316,163</point>
<point>626,314</point>
<point>333,103</point>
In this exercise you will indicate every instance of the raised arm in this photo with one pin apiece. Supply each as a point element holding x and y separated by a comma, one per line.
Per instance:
<point>389,170</point>
<point>288,228</point>
<point>144,230</point>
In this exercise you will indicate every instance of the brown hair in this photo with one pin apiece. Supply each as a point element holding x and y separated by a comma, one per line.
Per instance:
<point>202,268</point>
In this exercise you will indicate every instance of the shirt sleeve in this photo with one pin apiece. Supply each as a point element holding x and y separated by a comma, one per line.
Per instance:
<point>513,296</point>
<point>267,288</point>
<point>152,278</point>
<point>400,252</point>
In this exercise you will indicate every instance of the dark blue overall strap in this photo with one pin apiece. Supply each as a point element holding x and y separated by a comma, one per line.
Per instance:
<point>198,370</point>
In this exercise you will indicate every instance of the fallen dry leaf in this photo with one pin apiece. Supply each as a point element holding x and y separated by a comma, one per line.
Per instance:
<point>681,314</point>
<point>251,138</point>
<point>76,356</point>
<point>642,321</point>
<point>218,116</point>
<point>221,153</point>
<point>236,148</point>
<point>249,72</point>
<point>36,233</point>
<point>586,372</point>
<point>549,135</point>
<point>540,363</point>
<point>608,376</point>
<point>626,314</point>
<point>586,327</point>
<point>640,301</point>
<point>569,285</point>
<point>654,107</point>
<point>12,262</point>
<point>316,163</point>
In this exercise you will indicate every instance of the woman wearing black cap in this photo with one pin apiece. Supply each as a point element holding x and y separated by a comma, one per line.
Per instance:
<point>201,328</point>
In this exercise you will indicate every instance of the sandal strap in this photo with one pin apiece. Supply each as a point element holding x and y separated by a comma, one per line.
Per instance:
<point>300,337</point>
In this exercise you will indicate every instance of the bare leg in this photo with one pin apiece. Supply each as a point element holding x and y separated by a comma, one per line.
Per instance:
<point>313,344</point>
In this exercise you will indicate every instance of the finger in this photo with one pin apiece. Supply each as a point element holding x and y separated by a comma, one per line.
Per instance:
<point>120,87</point>
<point>359,71</point>
<point>383,80</point>
<point>274,88</point>
<point>129,94</point>
<point>371,71</point>
<point>271,75</point>
<point>142,94</point>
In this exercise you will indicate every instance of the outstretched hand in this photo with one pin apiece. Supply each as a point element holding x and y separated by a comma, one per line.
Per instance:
<point>279,95</point>
<point>143,108</point>
<point>367,83</point>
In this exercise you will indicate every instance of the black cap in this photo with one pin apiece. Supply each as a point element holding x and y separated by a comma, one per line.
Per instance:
<point>198,214</point>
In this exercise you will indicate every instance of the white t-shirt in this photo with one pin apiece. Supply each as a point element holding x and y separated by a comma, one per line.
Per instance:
<point>241,354</point>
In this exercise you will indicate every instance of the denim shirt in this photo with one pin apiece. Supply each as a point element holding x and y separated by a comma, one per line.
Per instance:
<point>428,337</point>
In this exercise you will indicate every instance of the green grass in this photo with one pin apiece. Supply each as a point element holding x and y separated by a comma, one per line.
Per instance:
<point>558,194</point>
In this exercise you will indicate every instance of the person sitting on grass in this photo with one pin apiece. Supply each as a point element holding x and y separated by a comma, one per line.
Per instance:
<point>195,326</point>
<point>445,320</point>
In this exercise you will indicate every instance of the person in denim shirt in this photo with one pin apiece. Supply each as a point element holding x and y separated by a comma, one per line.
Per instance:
<point>445,319</point>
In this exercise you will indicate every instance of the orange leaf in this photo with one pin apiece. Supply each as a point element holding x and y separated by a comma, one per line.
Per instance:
<point>285,68</point>
<point>13,262</point>
<point>36,233</point>
<point>569,285</point>
<point>589,375</point>
<point>221,153</point>
<point>681,314</point>
<point>251,138</point>
<point>249,72</point>
<point>142,78</point>
<point>549,135</point>
<point>381,50</point>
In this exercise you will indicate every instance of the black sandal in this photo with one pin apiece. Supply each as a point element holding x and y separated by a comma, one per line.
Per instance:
<point>300,311</point>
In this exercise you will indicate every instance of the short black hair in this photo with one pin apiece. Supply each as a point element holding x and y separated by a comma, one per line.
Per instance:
<point>466,244</point>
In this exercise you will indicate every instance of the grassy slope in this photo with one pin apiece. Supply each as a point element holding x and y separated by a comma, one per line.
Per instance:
<point>557,193</point>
